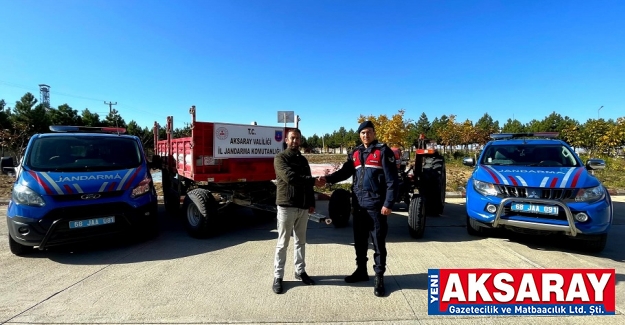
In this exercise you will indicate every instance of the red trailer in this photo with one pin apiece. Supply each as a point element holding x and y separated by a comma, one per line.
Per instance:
<point>218,165</point>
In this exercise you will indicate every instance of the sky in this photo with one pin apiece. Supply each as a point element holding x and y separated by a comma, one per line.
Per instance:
<point>329,62</point>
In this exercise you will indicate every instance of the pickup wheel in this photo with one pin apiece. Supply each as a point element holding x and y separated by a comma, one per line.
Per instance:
<point>339,208</point>
<point>17,248</point>
<point>474,229</point>
<point>200,213</point>
<point>416,216</point>
<point>597,243</point>
<point>434,184</point>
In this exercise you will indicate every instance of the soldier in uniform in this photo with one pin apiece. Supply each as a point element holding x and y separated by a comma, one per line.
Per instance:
<point>374,187</point>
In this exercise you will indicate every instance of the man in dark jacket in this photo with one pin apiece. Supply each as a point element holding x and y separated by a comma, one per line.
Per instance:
<point>295,199</point>
<point>374,187</point>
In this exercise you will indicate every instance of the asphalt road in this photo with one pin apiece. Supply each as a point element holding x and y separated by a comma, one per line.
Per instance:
<point>175,279</point>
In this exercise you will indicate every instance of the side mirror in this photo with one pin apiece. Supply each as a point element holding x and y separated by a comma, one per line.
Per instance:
<point>595,164</point>
<point>468,161</point>
<point>6,166</point>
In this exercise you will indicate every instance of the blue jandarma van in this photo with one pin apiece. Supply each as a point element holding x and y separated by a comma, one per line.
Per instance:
<point>80,183</point>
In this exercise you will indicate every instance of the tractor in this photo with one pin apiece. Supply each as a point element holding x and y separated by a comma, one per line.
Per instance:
<point>426,175</point>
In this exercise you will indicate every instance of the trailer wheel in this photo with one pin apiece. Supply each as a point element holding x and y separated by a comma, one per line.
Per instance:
<point>339,208</point>
<point>416,216</point>
<point>434,184</point>
<point>200,213</point>
<point>17,248</point>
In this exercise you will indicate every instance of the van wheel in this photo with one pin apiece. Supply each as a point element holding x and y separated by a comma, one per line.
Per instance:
<point>200,213</point>
<point>152,228</point>
<point>339,208</point>
<point>416,216</point>
<point>17,248</point>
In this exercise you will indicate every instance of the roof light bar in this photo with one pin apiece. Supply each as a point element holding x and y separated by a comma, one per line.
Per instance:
<point>94,129</point>
<point>548,135</point>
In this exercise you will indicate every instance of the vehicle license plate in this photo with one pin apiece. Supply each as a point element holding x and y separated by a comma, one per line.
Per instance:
<point>91,222</point>
<point>535,208</point>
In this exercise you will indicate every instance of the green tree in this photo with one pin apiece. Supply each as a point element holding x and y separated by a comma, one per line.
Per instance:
<point>513,126</point>
<point>65,115</point>
<point>484,127</point>
<point>114,119</point>
<point>90,119</point>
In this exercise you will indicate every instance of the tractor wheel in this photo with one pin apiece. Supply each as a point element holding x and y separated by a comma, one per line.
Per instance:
<point>171,198</point>
<point>339,208</point>
<point>416,216</point>
<point>200,213</point>
<point>434,184</point>
<point>17,248</point>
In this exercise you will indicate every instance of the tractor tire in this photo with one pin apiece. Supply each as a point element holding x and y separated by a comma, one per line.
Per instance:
<point>434,184</point>
<point>339,208</point>
<point>416,216</point>
<point>17,248</point>
<point>200,210</point>
<point>171,198</point>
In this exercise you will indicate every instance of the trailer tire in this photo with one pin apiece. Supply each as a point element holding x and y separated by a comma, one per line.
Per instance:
<point>434,184</point>
<point>17,248</point>
<point>417,216</point>
<point>339,208</point>
<point>200,213</point>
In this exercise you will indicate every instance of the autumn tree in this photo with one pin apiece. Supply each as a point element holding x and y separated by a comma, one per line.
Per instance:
<point>451,133</point>
<point>393,131</point>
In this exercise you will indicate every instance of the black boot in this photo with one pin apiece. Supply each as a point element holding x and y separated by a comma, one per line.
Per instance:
<point>358,276</point>
<point>378,286</point>
<point>277,285</point>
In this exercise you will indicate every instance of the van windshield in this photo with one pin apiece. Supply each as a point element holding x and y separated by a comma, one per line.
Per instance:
<point>82,153</point>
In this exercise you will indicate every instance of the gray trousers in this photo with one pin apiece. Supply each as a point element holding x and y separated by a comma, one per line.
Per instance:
<point>291,220</point>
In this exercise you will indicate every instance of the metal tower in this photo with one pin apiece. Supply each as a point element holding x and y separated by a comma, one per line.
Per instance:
<point>44,95</point>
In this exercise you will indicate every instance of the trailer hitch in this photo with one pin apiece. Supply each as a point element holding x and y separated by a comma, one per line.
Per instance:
<point>319,218</point>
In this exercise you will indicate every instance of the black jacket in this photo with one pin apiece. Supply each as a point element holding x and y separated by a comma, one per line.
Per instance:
<point>373,186</point>
<point>294,180</point>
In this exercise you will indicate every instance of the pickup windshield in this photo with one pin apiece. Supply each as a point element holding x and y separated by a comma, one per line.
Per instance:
<point>83,153</point>
<point>529,155</point>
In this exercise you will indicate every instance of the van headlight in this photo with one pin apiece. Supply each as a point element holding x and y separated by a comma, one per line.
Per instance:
<point>590,194</point>
<point>25,196</point>
<point>142,188</point>
<point>484,188</point>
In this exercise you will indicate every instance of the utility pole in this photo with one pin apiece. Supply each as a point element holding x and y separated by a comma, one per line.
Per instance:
<point>110,104</point>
